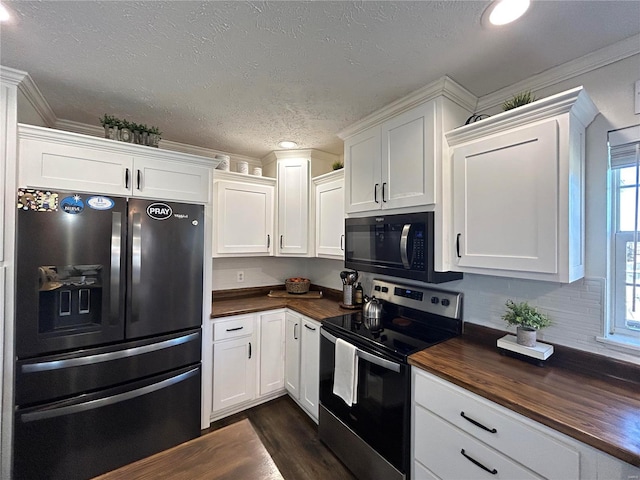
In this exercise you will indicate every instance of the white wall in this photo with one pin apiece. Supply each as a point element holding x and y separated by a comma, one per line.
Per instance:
<point>264,271</point>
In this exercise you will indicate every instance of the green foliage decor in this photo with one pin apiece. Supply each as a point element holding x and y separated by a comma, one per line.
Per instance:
<point>524,315</point>
<point>142,134</point>
<point>518,100</point>
<point>337,165</point>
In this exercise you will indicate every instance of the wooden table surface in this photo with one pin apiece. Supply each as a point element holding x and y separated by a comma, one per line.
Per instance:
<point>599,411</point>
<point>231,453</point>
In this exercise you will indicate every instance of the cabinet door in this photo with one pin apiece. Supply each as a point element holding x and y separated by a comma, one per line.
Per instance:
<point>234,372</point>
<point>408,158</point>
<point>184,182</point>
<point>292,354</point>
<point>271,352</point>
<point>506,200</point>
<point>362,163</point>
<point>330,219</point>
<point>293,206</point>
<point>243,222</point>
<point>45,164</point>
<point>310,366</point>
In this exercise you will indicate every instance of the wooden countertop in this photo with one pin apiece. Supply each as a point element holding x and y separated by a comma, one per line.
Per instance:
<point>585,396</point>
<point>236,302</point>
<point>598,408</point>
<point>231,453</point>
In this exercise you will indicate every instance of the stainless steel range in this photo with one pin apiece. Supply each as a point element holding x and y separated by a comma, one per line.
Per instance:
<point>365,381</point>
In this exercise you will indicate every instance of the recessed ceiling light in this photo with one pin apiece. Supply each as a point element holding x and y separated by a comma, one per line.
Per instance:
<point>501,12</point>
<point>287,144</point>
<point>4,14</point>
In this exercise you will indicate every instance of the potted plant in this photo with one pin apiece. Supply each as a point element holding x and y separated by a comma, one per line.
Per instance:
<point>110,124</point>
<point>337,165</point>
<point>154,136</point>
<point>518,100</point>
<point>528,321</point>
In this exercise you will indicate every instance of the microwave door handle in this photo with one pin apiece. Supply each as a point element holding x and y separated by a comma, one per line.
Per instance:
<point>404,241</point>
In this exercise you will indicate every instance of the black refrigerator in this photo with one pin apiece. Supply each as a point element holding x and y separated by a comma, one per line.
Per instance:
<point>108,331</point>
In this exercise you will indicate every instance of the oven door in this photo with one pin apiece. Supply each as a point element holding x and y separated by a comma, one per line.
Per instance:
<point>381,415</point>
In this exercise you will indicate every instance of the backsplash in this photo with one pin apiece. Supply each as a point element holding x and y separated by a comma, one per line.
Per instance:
<point>576,309</point>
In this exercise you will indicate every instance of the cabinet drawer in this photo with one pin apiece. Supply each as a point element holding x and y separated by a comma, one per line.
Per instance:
<point>232,327</point>
<point>504,432</point>
<point>452,454</point>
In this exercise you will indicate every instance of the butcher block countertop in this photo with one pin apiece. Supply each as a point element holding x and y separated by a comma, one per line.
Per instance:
<point>240,301</point>
<point>588,397</point>
<point>231,453</point>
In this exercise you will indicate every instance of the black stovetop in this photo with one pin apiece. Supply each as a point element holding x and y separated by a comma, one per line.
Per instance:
<point>393,335</point>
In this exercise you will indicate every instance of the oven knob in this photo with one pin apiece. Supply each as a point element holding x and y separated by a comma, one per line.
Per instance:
<point>435,300</point>
<point>385,289</point>
<point>445,302</point>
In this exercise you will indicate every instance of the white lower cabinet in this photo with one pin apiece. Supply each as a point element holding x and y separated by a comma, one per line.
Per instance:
<point>248,360</point>
<point>234,361</point>
<point>292,355</point>
<point>302,361</point>
<point>272,326</point>
<point>457,434</point>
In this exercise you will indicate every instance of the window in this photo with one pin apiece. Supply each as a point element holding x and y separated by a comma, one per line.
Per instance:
<point>624,321</point>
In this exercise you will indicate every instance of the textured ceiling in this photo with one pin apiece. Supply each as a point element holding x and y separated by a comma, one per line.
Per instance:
<point>240,76</point>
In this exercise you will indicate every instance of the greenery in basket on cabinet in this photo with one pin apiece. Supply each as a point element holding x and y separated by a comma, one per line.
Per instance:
<point>524,315</point>
<point>337,165</point>
<point>127,131</point>
<point>518,100</point>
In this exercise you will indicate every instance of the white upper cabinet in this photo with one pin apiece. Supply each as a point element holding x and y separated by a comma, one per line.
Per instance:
<point>69,161</point>
<point>243,215</point>
<point>518,190</point>
<point>293,206</point>
<point>294,170</point>
<point>329,214</point>
<point>392,157</point>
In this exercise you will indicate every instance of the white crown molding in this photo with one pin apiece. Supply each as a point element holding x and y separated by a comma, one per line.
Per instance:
<point>587,63</point>
<point>576,101</point>
<point>97,131</point>
<point>445,87</point>
<point>32,93</point>
<point>306,153</point>
<point>11,75</point>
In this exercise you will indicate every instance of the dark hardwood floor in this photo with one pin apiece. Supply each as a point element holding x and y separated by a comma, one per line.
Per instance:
<point>291,438</point>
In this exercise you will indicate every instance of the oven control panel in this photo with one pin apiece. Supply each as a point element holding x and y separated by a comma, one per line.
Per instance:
<point>431,300</point>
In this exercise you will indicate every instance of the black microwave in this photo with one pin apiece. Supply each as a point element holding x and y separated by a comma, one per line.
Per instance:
<point>395,245</point>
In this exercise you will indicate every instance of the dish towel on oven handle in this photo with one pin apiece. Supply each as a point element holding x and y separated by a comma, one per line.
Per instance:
<point>345,375</point>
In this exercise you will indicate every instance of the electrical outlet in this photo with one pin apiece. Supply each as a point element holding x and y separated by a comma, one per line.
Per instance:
<point>240,276</point>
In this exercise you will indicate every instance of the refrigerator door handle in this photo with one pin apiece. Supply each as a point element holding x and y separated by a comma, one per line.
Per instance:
<point>136,266</point>
<point>108,356</point>
<point>116,253</point>
<point>103,402</point>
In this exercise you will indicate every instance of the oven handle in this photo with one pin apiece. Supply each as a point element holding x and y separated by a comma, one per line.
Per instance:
<point>381,362</point>
<point>404,254</point>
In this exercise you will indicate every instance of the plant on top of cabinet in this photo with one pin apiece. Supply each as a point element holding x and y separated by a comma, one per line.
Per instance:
<point>518,100</point>
<point>527,319</point>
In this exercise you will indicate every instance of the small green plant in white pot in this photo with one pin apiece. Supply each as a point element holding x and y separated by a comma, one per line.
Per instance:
<point>528,321</point>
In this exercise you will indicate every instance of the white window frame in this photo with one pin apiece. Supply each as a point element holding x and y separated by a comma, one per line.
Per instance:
<point>622,155</point>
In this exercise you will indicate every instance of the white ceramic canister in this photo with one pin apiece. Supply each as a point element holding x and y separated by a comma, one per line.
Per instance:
<point>257,171</point>
<point>243,167</point>
<point>224,162</point>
